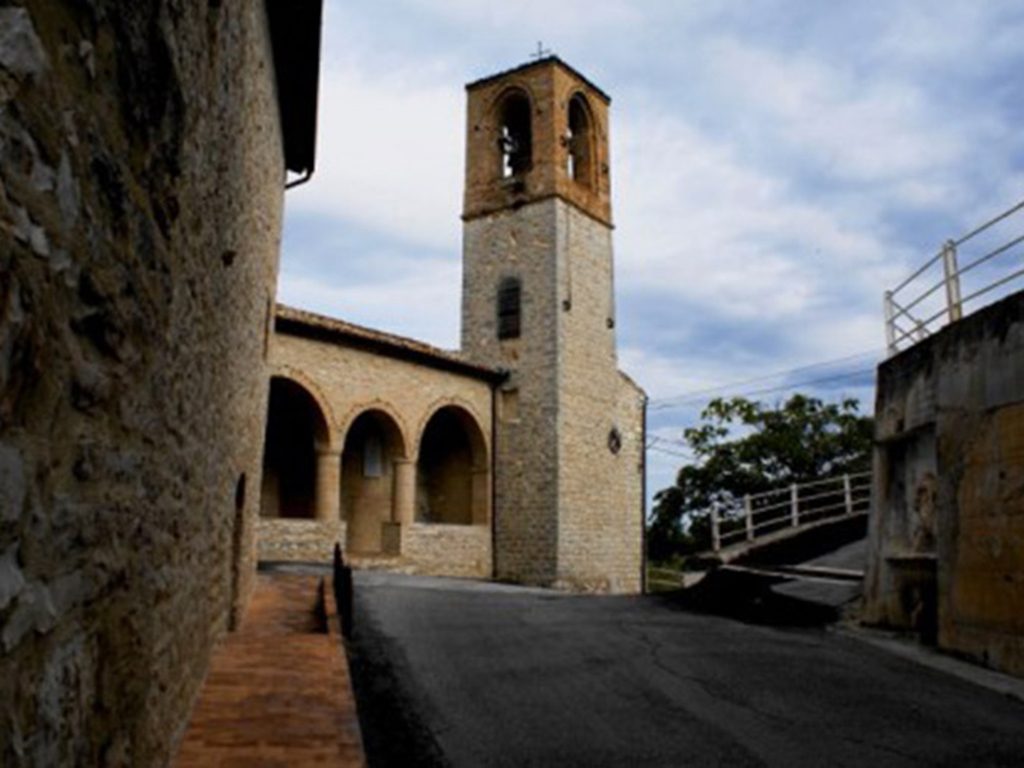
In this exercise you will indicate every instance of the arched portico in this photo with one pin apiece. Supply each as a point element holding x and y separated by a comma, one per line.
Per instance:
<point>299,469</point>
<point>453,470</point>
<point>372,473</point>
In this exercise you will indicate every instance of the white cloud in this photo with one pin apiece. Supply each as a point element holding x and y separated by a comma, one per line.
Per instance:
<point>562,19</point>
<point>860,127</point>
<point>390,152</point>
<point>421,304</point>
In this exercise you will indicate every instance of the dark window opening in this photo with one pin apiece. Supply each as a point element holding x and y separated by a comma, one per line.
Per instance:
<point>579,142</point>
<point>514,136</point>
<point>509,300</point>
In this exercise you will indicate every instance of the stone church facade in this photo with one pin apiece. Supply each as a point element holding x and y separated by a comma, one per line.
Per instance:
<point>520,457</point>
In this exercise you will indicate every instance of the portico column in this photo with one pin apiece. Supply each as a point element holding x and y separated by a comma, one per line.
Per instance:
<point>405,492</point>
<point>328,486</point>
<point>481,495</point>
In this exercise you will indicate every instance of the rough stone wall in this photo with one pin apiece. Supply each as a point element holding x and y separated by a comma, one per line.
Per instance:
<point>448,550</point>
<point>600,520</point>
<point>949,487</point>
<point>305,541</point>
<point>349,381</point>
<point>519,244</point>
<point>141,185</point>
<point>568,509</point>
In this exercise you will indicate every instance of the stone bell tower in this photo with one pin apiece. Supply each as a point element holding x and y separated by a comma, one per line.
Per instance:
<point>538,301</point>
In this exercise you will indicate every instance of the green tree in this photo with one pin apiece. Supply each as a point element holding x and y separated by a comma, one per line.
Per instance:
<point>744,447</point>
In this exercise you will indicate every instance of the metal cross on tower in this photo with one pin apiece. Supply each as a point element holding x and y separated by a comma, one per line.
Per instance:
<point>541,51</point>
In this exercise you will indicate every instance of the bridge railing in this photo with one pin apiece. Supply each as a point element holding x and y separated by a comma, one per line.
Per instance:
<point>966,269</point>
<point>759,514</point>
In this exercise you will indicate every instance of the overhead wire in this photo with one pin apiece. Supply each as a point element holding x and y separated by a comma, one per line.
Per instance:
<point>702,395</point>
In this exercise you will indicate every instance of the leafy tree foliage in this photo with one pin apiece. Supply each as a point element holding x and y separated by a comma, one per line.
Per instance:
<point>746,447</point>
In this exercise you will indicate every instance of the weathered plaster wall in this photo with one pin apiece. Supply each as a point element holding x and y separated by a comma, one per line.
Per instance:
<point>140,202</point>
<point>949,488</point>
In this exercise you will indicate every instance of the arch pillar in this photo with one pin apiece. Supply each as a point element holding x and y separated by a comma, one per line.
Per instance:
<point>481,495</point>
<point>405,492</point>
<point>328,485</point>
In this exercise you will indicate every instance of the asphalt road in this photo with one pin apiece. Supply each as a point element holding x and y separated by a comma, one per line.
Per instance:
<point>469,674</point>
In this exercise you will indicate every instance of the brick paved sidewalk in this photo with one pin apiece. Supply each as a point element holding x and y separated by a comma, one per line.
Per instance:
<point>278,691</point>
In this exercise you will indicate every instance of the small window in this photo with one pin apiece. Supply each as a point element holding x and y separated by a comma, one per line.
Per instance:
<point>373,458</point>
<point>514,135</point>
<point>509,300</point>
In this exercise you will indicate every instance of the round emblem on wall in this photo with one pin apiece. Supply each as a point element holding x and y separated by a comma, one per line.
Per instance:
<point>614,440</point>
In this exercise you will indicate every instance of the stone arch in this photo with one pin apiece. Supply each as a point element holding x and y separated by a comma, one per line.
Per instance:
<point>375,446</point>
<point>297,432</point>
<point>313,389</point>
<point>385,408</point>
<point>512,113</point>
<point>453,472</point>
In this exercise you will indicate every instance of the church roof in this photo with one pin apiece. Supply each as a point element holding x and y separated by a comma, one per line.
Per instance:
<point>299,322</point>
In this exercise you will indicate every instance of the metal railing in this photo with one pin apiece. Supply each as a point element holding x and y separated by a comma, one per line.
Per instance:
<point>923,302</point>
<point>759,514</point>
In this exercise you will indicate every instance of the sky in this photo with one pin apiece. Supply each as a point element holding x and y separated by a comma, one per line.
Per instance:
<point>775,167</point>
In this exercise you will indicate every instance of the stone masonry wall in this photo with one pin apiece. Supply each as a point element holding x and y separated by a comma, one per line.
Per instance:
<point>348,381</point>
<point>304,541</point>
<point>567,508</point>
<point>519,244</point>
<point>946,539</point>
<point>141,184</point>
<point>448,550</point>
<point>600,528</point>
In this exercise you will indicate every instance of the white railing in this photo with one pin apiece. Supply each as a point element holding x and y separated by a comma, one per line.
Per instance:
<point>933,294</point>
<point>758,514</point>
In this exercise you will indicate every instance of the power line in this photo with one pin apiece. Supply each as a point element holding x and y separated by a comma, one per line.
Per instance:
<point>677,454</point>
<point>681,401</point>
<point>697,393</point>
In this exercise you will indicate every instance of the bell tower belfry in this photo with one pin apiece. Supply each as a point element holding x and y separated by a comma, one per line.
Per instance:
<point>538,300</point>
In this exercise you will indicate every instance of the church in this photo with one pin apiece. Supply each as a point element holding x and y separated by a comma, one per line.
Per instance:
<point>519,457</point>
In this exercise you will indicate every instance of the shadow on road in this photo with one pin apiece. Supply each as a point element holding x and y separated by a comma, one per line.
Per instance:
<point>748,597</point>
<point>394,733</point>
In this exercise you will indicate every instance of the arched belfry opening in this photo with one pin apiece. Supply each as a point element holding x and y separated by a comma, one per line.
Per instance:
<point>296,432</point>
<point>580,142</point>
<point>372,445</point>
<point>515,134</point>
<point>453,472</point>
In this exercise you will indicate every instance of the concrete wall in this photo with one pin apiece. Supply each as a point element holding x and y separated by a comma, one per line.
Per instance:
<point>141,184</point>
<point>947,528</point>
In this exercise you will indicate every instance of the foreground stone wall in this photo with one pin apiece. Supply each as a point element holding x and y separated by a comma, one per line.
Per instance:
<point>140,202</point>
<point>946,552</point>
